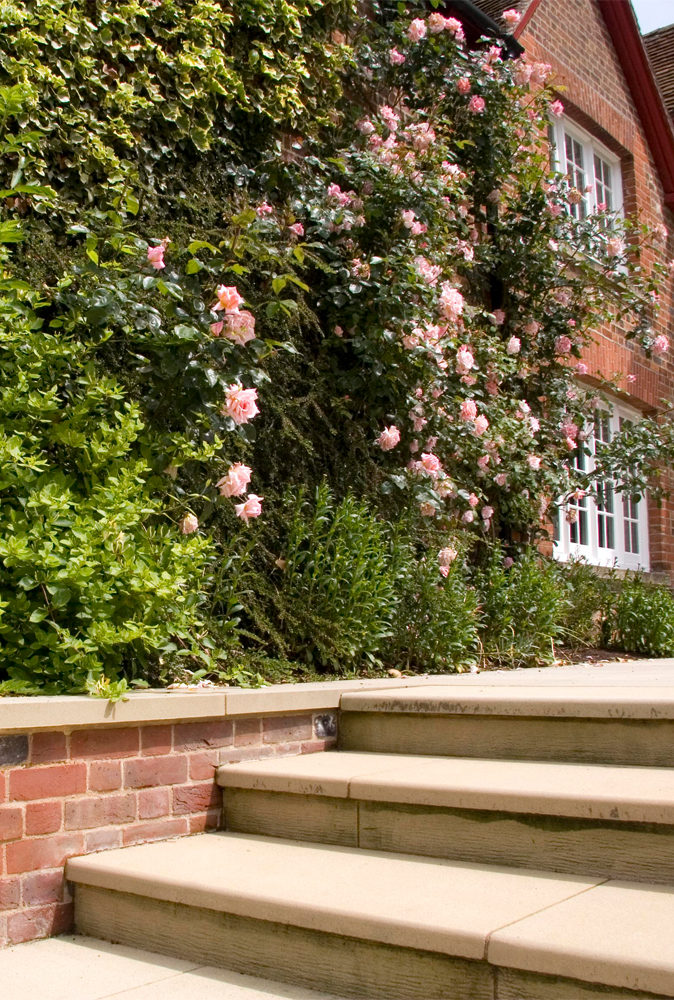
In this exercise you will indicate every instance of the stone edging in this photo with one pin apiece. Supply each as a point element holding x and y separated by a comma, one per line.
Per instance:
<point>44,714</point>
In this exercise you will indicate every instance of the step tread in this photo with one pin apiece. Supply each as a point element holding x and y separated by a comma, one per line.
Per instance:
<point>438,905</point>
<point>591,791</point>
<point>609,932</point>
<point>590,702</point>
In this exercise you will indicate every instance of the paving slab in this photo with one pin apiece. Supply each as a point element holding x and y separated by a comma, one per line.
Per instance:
<point>618,934</point>
<point>590,791</point>
<point>83,968</point>
<point>395,899</point>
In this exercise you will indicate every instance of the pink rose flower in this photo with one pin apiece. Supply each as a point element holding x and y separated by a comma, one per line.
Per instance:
<point>614,246</point>
<point>557,109</point>
<point>508,562</point>
<point>468,409</point>
<point>216,328</point>
<point>464,360</point>
<point>498,317</point>
<point>476,105</point>
<point>427,510</point>
<point>251,507</point>
<point>481,425</point>
<point>416,30</point>
<point>540,73</point>
<point>513,346</point>
<point>534,462</point>
<point>582,368</point>
<point>451,302</point>
<point>389,438</point>
<point>234,484</point>
<point>500,479</point>
<point>511,17</point>
<point>228,298</point>
<point>431,464</point>
<point>483,461</point>
<point>454,27</point>
<point>365,127</point>
<point>436,23</point>
<point>487,513</point>
<point>468,517</point>
<point>463,85</point>
<point>264,209</point>
<point>239,327</point>
<point>155,256</point>
<point>395,58</point>
<point>492,387</point>
<point>563,344</point>
<point>660,344</point>
<point>188,524</point>
<point>240,403</point>
<point>473,500</point>
<point>297,228</point>
<point>522,72</point>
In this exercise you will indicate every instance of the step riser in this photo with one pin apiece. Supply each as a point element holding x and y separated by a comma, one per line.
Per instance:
<point>633,851</point>
<point>315,960</point>
<point>628,742</point>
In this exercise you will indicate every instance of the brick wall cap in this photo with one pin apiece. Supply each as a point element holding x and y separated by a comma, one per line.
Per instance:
<point>67,712</point>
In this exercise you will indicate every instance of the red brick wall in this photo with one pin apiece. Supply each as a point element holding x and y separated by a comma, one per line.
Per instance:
<point>95,789</point>
<point>571,35</point>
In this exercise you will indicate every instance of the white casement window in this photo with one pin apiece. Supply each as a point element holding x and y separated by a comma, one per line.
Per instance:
<point>611,529</point>
<point>589,166</point>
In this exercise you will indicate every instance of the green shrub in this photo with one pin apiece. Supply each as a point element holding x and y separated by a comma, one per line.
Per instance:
<point>339,590</point>
<point>521,610</point>
<point>437,623</point>
<point>642,619</point>
<point>589,597</point>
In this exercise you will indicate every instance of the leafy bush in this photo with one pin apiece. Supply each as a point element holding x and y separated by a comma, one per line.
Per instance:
<point>437,621</point>
<point>521,607</point>
<point>589,597</point>
<point>642,619</point>
<point>340,584</point>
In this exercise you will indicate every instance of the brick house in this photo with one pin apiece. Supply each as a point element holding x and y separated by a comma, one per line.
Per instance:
<point>615,138</point>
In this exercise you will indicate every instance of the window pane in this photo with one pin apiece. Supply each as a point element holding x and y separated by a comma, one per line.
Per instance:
<point>575,172</point>
<point>602,184</point>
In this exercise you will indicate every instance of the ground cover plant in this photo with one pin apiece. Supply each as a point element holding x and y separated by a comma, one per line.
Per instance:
<point>293,312</point>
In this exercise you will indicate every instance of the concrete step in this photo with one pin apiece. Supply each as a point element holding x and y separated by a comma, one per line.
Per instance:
<point>602,725</point>
<point>380,925</point>
<point>82,968</point>
<point>593,820</point>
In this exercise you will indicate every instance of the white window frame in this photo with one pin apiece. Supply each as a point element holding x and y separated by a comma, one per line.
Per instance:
<point>590,147</point>
<point>629,520</point>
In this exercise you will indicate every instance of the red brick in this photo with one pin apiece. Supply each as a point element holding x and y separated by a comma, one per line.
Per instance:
<point>3,787</point>
<point>102,840</point>
<point>153,802</point>
<point>47,782</point>
<point>104,810</point>
<point>45,748</point>
<point>247,732</point>
<point>158,829</point>
<point>104,743</point>
<point>43,852</point>
<point>10,893</point>
<point>149,772</point>
<point>44,887</point>
<point>201,735</point>
<point>105,775</point>
<point>43,817</point>
<point>196,798</point>
<point>314,746</point>
<point>11,823</point>
<point>203,765</point>
<point>205,821</point>
<point>237,754</point>
<point>287,728</point>
<point>39,922</point>
<point>156,739</point>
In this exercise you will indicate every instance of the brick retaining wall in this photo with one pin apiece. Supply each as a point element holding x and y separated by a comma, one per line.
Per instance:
<point>68,792</point>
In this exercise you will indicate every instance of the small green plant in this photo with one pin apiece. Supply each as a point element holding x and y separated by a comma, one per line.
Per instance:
<point>642,619</point>
<point>521,609</point>
<point>340,581</point>
<point>585,611</point>
<point>437,624</point>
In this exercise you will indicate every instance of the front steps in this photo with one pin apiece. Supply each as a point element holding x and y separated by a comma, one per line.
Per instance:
<point>517,854</point>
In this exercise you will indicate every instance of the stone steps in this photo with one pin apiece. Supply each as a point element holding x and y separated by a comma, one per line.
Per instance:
<point>472,843</point>
<point>597,725</point>
<point>597,820</point>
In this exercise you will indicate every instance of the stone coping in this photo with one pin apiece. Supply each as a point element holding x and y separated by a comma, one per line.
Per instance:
<point>68,712</point>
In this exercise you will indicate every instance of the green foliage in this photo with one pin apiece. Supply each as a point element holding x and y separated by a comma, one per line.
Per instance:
<point>521,609</point>
<point>642,619</point>
<point>94,580</point>
<point>437,621</point>
<point>340,581</point>
<point>588,599</point>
